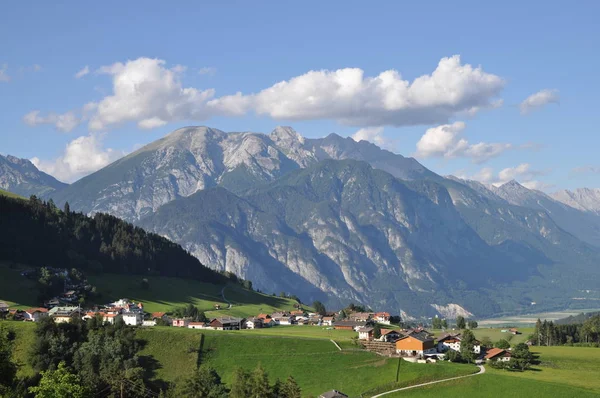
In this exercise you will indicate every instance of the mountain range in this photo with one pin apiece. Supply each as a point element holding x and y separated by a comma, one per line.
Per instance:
<point>20,176</point>
<point>339,220</point>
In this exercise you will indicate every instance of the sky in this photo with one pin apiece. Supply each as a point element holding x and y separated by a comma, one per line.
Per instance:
<point>481,91</point>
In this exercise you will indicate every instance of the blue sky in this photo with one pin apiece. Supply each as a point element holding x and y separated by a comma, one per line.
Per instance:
<point>463,120</point>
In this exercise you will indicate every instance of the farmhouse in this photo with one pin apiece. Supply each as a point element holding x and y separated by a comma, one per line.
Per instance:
<point>133,318</point>
<point>34,314</point>
<point>349,325</point>
<point>284,320</point>
<point>328,320</point>
<point>360,316</point>
<point>228,323</point>
<point>181,323</point>
<point>196,325</point>
<point>452,342</point>
<point>110,318</point>
<point>382,317</point>
<point>254,323</point>
<point>389,335</point>
<point>64,314</point>
<point>365,333</point>
<point>155,316</point>
<point>498,354</point>
<point>416,344</point>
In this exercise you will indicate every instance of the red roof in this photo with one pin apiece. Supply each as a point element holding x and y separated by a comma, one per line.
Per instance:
<point>495,352</point>
<point>383,314</point>
<point>158,314</point>
<point>33,310</point>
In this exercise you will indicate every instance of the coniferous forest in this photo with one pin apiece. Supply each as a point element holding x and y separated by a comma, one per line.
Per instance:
<point>37,233</point>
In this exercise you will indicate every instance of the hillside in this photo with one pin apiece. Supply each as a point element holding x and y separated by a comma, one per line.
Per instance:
<point>23,178</point>
<point>38,234</point>
<point>10,194</point>
<point>344,230</point>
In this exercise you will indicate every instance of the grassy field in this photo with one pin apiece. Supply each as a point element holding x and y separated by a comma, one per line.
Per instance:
<point>495,334</point>
<point>563,372</point>
<point>16,290</point>
<point>167,293</point>
<point>316,364</point>
<point>10,194</point>
<point>488,385</point>
<point>24,339</point>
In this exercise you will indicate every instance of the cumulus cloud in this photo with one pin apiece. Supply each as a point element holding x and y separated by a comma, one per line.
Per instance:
<point>524,173</point>
<point>371,134</point>
<point>4,77</point>
<point>63,122</point>
<point>538,100</point>
<point>445,141</point>
<point>145,90</point>
<point>207,70</point>
<point>82,156</point>
<point>84,71</point>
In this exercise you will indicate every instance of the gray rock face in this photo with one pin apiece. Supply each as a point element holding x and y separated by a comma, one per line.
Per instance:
<point>585,199</point>
<point>20,176</point>
<point>196,158</point>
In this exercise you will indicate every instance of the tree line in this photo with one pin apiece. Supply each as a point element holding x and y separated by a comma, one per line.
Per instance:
<point>547,333</point>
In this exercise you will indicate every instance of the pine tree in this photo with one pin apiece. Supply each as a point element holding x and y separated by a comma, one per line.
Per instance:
<point>240,386</point>
<point>290,389</point>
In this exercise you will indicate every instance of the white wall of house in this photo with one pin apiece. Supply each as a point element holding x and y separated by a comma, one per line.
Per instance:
<point>132,319</point>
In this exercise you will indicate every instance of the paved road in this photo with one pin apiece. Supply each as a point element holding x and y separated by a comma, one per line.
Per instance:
<point>481,371</point>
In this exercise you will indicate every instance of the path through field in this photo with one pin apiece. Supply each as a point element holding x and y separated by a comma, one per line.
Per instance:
<point>481,371</point>
<point>224,299</point>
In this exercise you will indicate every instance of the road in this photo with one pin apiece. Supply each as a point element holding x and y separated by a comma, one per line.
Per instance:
<point>481,371</point>
<point>224,299</point>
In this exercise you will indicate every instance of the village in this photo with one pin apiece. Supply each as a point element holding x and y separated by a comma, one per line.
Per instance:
<point>374,331</point>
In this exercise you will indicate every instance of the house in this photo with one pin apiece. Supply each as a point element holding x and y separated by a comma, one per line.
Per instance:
<point>333,394</point>
<point>452,342</point>
<point>226,323</point>
<point>297,313</point>
<point>70,295</point>
<point>149,322</point>
<point>268,322</point>
<point>64,314</point>
<point>155,316</point>
<point>53,302</point>
<point>349,325</point>
<point>382,317</point>
<point>498,354</point>
<point>415,344</point>
<point>16,315</point>
<point>284,320</point>
<point>254,323</point>
<point>360,316</point>
<point>181,323</point>
<point>276,315</point>
<point>110,318</point>
<point>389,335</point>
<point>365,333</point>
<point>328,320</point>
<point>133,318</point>
<point>196,325</point>
<point>34,314</point>
<point>514,331</point>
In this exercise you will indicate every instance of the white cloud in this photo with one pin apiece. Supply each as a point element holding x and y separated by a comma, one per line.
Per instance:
<point>4,77</point>
<point>524,173</point>
<point>207,70</point>
<point>371,134</point>
<point>538,100</point>
<point>445,141</point>
<point>151,123</point>
<point>145,89</point>
<point>82,156</point>
<point>84,71</point>
<point>63,122</point>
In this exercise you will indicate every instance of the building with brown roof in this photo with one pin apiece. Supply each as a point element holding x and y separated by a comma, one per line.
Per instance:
<point>498,354</point>
<point>415,344</point>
